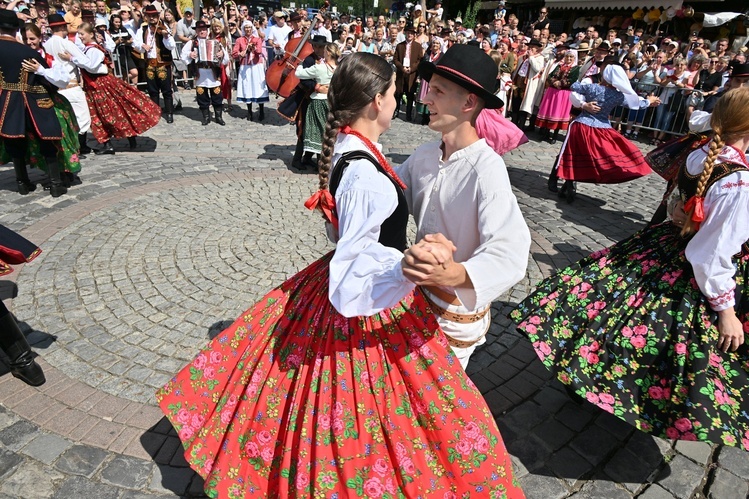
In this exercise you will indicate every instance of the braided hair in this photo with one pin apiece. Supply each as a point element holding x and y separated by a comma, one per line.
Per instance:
<point>356,82</point>
<point>729,122</point>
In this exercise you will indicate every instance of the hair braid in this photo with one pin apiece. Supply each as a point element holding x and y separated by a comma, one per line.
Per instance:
<point>716,145</point>
<point>326,158</point>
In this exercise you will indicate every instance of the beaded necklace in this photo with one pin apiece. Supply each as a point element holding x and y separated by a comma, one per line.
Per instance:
<point>378,155</point>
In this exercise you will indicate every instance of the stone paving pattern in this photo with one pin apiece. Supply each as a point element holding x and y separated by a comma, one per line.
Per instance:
<point>158,249</point>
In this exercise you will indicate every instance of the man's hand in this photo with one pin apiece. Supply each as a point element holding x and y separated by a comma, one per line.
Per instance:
<point>30,65</point>
<point>591,107</point>
<point>430,262</point>
<point>65,55</point>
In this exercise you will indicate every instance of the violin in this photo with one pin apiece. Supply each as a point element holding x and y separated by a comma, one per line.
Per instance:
<point>163,29</point>
<point>280,76</point>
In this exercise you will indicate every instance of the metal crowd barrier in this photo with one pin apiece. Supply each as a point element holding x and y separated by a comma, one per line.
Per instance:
<point>670,117</point>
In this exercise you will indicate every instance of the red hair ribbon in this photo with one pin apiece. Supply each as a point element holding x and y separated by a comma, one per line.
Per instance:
<point>323,200</point>
<point>696,204</point>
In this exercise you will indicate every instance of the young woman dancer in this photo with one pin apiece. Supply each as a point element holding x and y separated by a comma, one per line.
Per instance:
<point>339,382</point>
<point>653,328</point>
<point>117,109</point>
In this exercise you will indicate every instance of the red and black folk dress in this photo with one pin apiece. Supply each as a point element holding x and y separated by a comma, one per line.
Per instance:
<point>297,399</point>
<point>118,110</point>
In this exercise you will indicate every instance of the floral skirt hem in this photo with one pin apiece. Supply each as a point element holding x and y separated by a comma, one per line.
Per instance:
<point>629,330</point>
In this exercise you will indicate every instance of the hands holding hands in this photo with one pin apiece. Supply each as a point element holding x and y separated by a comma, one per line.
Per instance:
<point>430,263</point>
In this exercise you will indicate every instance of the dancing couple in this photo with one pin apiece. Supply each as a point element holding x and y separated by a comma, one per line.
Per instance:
<point>342,381</point>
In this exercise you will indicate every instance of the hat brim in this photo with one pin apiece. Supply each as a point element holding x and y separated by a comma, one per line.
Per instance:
<point>428,69</point>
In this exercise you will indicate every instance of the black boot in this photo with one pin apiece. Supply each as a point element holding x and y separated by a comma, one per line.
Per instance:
<point>249,112</point>
<point>105,149</point>
<point>552,183</point>
<point>206,116</point>
<point>261,114</point>
<point>82,145</point>
<point>409,110</point>
<point>554,137</point>
<point>14,344</point>
<point>532,125</point>
<point>169,109</point>
<point>56,186</point>
<point>22,177</point>
<point>543,133</point>
<point>398,100</point>
<point>568,191</point>
<point>217,114</point>
<point>522,117</point>
<point>133,142</point>
<point>308,162</point>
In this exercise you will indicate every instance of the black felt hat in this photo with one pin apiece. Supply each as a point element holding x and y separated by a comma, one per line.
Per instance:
<point>470,68</point>
<point>319,40</point>
<point>201,24</point>
<point>56,20</point>
<point>150,9</point>
<point>9,20</point>
<point>739,69</point>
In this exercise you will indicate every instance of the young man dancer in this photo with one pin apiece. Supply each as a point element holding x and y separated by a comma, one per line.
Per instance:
<point>459,193</point>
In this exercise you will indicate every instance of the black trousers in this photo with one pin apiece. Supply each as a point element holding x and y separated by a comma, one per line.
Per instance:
<point>208,96</point>
<point>18,148</point>
<point>159,79</point>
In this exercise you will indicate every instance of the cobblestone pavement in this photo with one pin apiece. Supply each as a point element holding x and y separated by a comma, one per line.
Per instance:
<point>158,248</point>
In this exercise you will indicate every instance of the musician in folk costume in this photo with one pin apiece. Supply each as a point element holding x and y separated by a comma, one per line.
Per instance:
<point>117,109</point>
<point>295,107</point>
<point>249,50</point>
<point>58,44</point>
<point>532,70</point>
<point>209,56</point>
<point>156,42</point>
<point>28,110</point>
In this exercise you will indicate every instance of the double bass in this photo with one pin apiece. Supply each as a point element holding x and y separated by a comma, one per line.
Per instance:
<point>280,75</point>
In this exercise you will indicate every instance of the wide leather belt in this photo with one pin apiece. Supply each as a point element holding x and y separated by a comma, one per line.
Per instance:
<point>155,63</point>
<point>453,316</point>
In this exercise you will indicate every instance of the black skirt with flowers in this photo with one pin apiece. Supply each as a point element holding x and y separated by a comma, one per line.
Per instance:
<point>629,330</point>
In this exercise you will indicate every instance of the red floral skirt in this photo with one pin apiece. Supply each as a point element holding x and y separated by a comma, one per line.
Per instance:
<point>119,110</point>
<point>295,400</point>
<point>599,155</point>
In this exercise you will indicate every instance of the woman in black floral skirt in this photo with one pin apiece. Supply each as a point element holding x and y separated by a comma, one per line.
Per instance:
<point>652,329</point>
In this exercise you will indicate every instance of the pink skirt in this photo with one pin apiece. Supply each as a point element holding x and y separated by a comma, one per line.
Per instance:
<point>554,112</point>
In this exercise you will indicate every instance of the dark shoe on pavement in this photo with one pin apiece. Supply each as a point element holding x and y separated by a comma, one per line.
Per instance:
<point>206,117</point>
<point>169,118</point>
<point>14,344</point>
<point>218,117</point>
<point>571,191</point>
<point>106,149</point>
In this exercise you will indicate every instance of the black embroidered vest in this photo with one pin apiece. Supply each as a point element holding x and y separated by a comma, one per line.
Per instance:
<point>164,54</point>
<point>393,229</point>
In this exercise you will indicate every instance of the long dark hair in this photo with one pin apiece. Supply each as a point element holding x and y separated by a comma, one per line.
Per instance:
<point>356,82</point>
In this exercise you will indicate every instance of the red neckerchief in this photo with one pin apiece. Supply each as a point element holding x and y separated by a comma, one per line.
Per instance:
<point>323,200</point>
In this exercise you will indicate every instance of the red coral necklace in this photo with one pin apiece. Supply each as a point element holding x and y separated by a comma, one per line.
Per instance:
<point>373,149</point>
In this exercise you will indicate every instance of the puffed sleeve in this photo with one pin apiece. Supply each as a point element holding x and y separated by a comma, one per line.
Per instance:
<point>56,74</point>
<point>725,229</point>
<point>501,259</point>
<point>185,54</point>
<point>365,276</point>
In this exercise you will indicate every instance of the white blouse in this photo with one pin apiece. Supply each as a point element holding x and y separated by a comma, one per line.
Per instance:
<point>725,229</point>
<point>365,276</point>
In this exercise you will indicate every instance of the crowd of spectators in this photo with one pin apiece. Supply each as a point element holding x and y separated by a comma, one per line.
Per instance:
<point>684,73</point>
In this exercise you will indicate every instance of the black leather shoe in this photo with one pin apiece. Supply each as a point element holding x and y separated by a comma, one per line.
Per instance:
<point>206,117</point>
<point>27,370</point>
<point>25,187</point>
<point>170,118</point>
<point>57,190</point>
<point>107,149</point>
